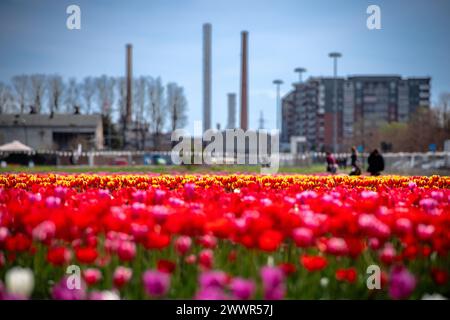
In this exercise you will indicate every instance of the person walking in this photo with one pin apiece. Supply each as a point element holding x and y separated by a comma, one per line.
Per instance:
<point>376,163</point>
<point>331,163</point>
<point>356,170</point>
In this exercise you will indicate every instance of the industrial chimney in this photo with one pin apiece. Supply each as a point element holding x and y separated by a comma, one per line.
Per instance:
<point>207,76</point>
<point>244,81</point>
<point>231,124</point>
<point>129,85</point>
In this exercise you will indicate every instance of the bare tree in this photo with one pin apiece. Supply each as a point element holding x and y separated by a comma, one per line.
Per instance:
<point>21,84</point>
<point>121,83</point>
<point>37,91</point>
<point>156,108</point>
<point>140,101</point>
<point>122,90</point>
<point>55,92</point>
<point>444,106</point>
<point>72,95</point>
<point>105,94</point>
<point>88,92</point>
<point>176,106</point>
<point>6,98</point>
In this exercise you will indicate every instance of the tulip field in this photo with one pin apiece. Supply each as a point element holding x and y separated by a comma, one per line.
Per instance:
<point>223,236</point>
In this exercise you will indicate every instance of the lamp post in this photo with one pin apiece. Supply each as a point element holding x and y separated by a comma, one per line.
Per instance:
<point>335,56</point>
<point>300,72</point>
<point>278,83</point>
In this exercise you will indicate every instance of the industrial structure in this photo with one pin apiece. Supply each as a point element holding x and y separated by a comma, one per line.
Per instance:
<point>231,121</point>
<point>244,81</point>
<point>129,73</point>
<point>207,31</point>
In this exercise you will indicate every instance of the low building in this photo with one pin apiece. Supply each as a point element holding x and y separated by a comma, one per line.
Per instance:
<point>56,132</point>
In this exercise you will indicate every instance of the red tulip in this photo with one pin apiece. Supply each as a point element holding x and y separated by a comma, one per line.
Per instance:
<point>59,256</point>
<point>166,266</point>
<point>313,263</point>
<point>348,275</point>
<point>86,255</point>
<point>206,258</point>
<point>440,276</point>
<point>270,240</point>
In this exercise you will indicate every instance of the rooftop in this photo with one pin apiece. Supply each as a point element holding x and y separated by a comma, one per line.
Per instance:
<point>45,120</point>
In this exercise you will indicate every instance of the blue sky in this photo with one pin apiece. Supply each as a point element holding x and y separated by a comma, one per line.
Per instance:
<point>283,34</point>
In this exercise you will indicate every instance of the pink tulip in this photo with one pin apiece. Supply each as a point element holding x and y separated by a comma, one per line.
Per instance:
<point>401,283</point>
<point>156,283</point>
<point>122,276</point>
<point>388,253</point>
<point>183,244</point>
<point>403,226</point>
<point>242,289</point>
<point>337,246</point>
<point>45,231</point>
<point>303,237</point>
<point>425,232</point>
<point>92,276</point>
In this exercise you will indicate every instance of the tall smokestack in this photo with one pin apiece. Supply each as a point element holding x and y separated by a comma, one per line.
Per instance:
<point>207,76</point>
<point>244,81</point>
<point>129,85</point>
<point>231,111</point>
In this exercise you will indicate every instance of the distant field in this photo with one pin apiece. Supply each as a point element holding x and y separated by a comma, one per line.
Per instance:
<point>164,169</point>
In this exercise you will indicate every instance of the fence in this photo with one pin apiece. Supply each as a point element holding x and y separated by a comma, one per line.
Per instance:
<point>394,162</point>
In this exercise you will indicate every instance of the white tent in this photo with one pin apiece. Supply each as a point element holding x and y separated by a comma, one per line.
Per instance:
<point>15,146</point>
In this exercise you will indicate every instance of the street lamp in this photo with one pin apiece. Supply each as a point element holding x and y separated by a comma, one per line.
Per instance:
<point>300,72</point>
<point>335,56</point>
<point>278,83</point>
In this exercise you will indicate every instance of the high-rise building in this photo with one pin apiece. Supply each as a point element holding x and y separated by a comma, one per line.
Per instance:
<point>364,103</point>
<point>303,114</point>
<point>371,101</point>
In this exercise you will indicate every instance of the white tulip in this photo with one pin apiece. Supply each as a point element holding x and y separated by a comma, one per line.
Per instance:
<point>110,295</point>
<point>19,281</point>
<point>434,296</point>
<point>324,282</point>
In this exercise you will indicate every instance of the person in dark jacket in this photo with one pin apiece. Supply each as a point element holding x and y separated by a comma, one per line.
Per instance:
<point>356,170</point>
<point>376,163</point>
<point>331,163</point>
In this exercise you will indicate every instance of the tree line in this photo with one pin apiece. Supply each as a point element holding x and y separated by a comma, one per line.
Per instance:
<point>426,130</point>
<point>156,107</point>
